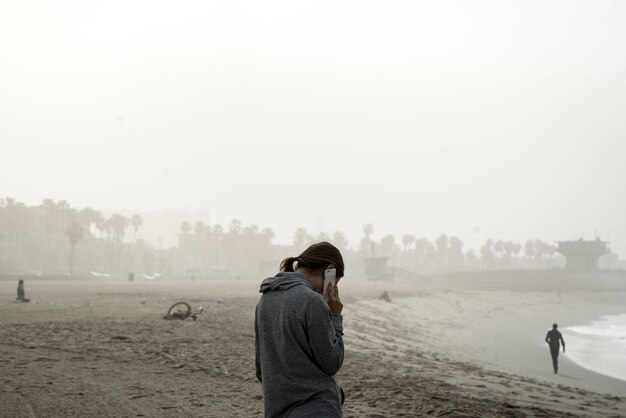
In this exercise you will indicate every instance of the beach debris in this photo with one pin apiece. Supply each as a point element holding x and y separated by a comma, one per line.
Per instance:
<point>151,276</point>
<point>385,296</point>
<point>120,337</point>
<point>219,300</point>
<point>182,310</point>
<point>99,275</point>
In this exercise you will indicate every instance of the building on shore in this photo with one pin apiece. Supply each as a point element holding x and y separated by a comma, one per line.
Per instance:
<point>376,268</point>
<point>583,255</point>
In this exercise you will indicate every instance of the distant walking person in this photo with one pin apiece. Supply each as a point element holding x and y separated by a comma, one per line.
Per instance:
<point>21,295</point>
<point>299,336</point>
<point>553,338</point>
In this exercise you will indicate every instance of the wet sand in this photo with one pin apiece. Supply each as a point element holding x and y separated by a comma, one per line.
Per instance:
<point>101,349</point>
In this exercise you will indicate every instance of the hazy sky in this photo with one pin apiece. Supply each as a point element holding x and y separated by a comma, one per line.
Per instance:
<point>481,119</point>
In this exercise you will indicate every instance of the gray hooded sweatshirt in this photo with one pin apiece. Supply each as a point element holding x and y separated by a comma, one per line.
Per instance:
<point>299,348</point>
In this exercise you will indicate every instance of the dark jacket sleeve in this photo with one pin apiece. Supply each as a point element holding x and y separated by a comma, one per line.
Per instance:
<point>325,336</point>
<point>257,359</point>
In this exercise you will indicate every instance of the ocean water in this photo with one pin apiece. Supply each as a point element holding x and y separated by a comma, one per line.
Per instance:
<point>599,346</point>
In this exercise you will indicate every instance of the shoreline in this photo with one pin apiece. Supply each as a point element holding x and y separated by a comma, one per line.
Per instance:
<point>499,326</point>
<point>595,343</point>
<point>513,342</point>
<point>423,351</point>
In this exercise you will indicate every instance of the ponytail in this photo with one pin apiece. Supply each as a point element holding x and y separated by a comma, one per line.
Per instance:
<point>317,256</point>
<point>287,264</point>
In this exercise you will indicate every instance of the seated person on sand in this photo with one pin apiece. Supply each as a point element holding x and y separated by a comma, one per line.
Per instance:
<point>20,292</point>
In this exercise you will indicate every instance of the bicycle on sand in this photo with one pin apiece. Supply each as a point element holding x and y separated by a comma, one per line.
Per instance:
<point>182,310</point>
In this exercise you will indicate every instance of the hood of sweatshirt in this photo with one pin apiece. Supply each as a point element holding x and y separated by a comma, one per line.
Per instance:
<point>283,281</point>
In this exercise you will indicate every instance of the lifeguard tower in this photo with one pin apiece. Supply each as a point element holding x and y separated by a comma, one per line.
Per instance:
<point>583,255</point>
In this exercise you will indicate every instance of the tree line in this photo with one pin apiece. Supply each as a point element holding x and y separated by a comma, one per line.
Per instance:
<point>45,237</point>
<point>56,238</point>
<point>447,253</point>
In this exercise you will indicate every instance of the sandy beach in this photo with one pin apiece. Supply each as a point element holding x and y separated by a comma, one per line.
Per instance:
<point>455,345</point>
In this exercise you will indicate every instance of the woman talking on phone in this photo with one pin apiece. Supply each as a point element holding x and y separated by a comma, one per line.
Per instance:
<point>299,335</point>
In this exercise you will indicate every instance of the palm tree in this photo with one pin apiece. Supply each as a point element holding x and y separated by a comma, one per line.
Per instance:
<point>251,229</point>
<point>235,226</point>
<point>388,245</point>
<point>269,234</point>
<point>63,207</point>
<point>508,252</point>
<point>517,247</point>
<point>366,242</point>
<point>442,245</point>
<point>74,232</point>
<point>136,221</point>
<point>470,258</point>
<point>456,253</point>
<point>101,224</point>
<point>421,246</point>
<point>529,250</point>
<point>218,230</point>
<point>323,236</point>
<point>486,253</point>
<point>368,230</point>
<point>430,255</point>
<point>407,241</point>
<point>185,227</point>
<point>88,217</point>
<point>442,249</point>
<point>299,238</point>
<point>16,223</point>
<point>498,248</point>
<point>308,239</point>
<point>199,228</point>
<point>118,225</point>
<point>340,241</point>
<point>51,221</point>
<point>108,229</point>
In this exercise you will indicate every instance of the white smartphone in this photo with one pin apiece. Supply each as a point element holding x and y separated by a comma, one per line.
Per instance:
<point>330,276</point>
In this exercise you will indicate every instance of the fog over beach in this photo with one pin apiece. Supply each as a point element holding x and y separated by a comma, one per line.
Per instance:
<point>465,157</point>
<point>479,119</point>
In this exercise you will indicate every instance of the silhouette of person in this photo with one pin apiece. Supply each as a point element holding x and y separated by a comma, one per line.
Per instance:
<point>553,338</point>
<point>21,295</point>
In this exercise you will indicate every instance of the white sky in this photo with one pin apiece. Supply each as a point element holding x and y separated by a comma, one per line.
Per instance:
<point>417,117</point>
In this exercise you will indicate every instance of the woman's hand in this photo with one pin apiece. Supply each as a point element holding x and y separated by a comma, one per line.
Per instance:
<point>333,299</point>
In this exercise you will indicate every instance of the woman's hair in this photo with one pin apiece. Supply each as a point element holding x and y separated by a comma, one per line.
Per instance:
<point>317,256</point>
